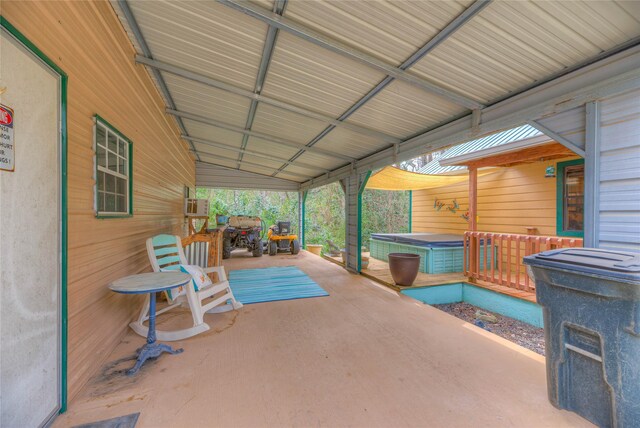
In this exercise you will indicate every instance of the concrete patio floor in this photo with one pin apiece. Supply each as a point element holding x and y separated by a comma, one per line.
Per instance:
<point>364,356</point>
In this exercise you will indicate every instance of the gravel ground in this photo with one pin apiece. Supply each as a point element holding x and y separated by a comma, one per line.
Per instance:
<point>516,331</point>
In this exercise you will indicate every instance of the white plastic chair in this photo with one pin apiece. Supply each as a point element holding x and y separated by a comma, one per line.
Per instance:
<point>166,253</point>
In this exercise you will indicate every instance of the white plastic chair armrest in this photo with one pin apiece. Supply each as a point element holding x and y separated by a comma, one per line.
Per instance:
<point>222,275</point>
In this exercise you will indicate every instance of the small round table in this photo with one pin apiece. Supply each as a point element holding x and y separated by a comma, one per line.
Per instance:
<point>150,283</point>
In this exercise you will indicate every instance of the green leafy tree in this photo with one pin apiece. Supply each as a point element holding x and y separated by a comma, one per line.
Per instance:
<point>383,211</point>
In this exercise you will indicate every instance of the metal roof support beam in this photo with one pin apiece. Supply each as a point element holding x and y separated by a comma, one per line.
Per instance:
<point>592,175</point>
<point>137,33</point>
<point>335,46</point>
<point>277,140</point>
<point>559,138</point>
<point>265,61</point>
<point>244,162</point>
<point>252,153</point>
<point>442,35</point>
<point>611,76</point>
<point>255,173</point>
<point>208,81</point>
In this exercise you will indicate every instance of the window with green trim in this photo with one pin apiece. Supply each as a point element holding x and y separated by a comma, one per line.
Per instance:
<point>113,171</point>
<point>570,198</point>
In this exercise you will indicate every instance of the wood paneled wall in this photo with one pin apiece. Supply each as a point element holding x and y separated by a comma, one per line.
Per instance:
<point>509,200</point>
<point>89,43</point>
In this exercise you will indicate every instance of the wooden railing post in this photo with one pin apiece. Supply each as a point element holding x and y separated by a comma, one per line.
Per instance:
<point>507,269</point>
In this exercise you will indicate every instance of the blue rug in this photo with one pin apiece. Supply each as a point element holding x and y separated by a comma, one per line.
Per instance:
<point>271,284</point>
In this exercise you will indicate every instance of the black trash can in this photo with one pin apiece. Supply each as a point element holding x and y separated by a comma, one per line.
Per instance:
<point>591,307</point>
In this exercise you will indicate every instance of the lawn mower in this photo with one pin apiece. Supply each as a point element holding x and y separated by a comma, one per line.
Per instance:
<point>281,240</point>
<point>243,232</point>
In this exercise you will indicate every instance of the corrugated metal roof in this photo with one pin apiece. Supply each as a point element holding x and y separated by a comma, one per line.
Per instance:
<point>514,43</point>
<point>227,178</point>
<point>311,77</point>
<point>434,167</point>
<point>503,48</point>
<point>402,111</point>
<point>281,123</point>
<point>204,37</point>
<point>389,30</point>
<point>520,133</point>
<point>192,97</point>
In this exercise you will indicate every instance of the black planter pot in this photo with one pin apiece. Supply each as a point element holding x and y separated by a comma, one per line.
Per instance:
<point>404,268</point>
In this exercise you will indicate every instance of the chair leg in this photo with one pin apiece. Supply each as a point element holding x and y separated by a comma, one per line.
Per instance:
<point>230,303</point>
<point>199,325</point>
<point>170,336</point>
<point>195,307</point>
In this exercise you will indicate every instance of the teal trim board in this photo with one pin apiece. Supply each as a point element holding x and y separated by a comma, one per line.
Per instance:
<point>561,166</point>
<point>303,215</point>
<point>361,189</point>
<point>511,307</point>
<point>14,32</point>
<point>410,211</point>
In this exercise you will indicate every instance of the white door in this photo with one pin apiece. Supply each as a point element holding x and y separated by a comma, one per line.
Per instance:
<point>30,241</point>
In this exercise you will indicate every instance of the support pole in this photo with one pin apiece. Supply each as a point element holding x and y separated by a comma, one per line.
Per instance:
<point>410,211</point>
<point>363,184</point>
<point>302,203</point>
<point>353,187</point>
<point>473,218</point>
<point>473,199</point>
<point>592,175</point>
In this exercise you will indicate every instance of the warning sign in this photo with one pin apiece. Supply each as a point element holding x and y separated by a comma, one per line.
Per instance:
<point>7,147</point>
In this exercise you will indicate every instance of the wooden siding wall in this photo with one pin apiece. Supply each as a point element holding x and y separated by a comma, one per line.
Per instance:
<point>509,200</point>
<point>88,42</point>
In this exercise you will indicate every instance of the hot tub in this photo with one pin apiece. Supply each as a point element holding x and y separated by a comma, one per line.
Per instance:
<point>439,252</point>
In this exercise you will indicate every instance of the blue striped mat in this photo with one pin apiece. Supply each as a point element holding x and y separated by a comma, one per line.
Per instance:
<point>271,284</point>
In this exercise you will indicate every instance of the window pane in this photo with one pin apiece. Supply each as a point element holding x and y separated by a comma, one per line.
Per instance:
<point>121,185</point>
<point>111,183</point>
<point>101,180</point>
<point>122,148</point>
<point>574,198</point>
<point>110,203</point>
<point>121,203</point>
<point>100,201</point>
<point>113,162</point>
<point>122,166</point>
<point>100,136</point>
<point>112,143</point>
<point>101,156</point>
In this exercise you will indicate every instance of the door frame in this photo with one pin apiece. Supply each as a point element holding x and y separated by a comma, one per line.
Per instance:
<point>24,41</point>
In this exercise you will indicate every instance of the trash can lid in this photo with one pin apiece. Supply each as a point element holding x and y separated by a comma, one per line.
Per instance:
<point>617,264</point>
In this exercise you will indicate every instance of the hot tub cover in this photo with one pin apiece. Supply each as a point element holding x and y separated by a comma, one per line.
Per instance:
<point>428,240</point>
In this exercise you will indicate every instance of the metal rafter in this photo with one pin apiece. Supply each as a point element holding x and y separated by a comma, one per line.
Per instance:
<point>435,41</point>
<point>323,41</point>
<point>137,33</point>
<point>274,139</point>
<point>244,162</point>
<point>190,75</point>
<point>251,152</point>
<point>607,77</point>
<point>593,122</point>
<point>250,172</point>
<point>559,138</point>
<point>267,52</point>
